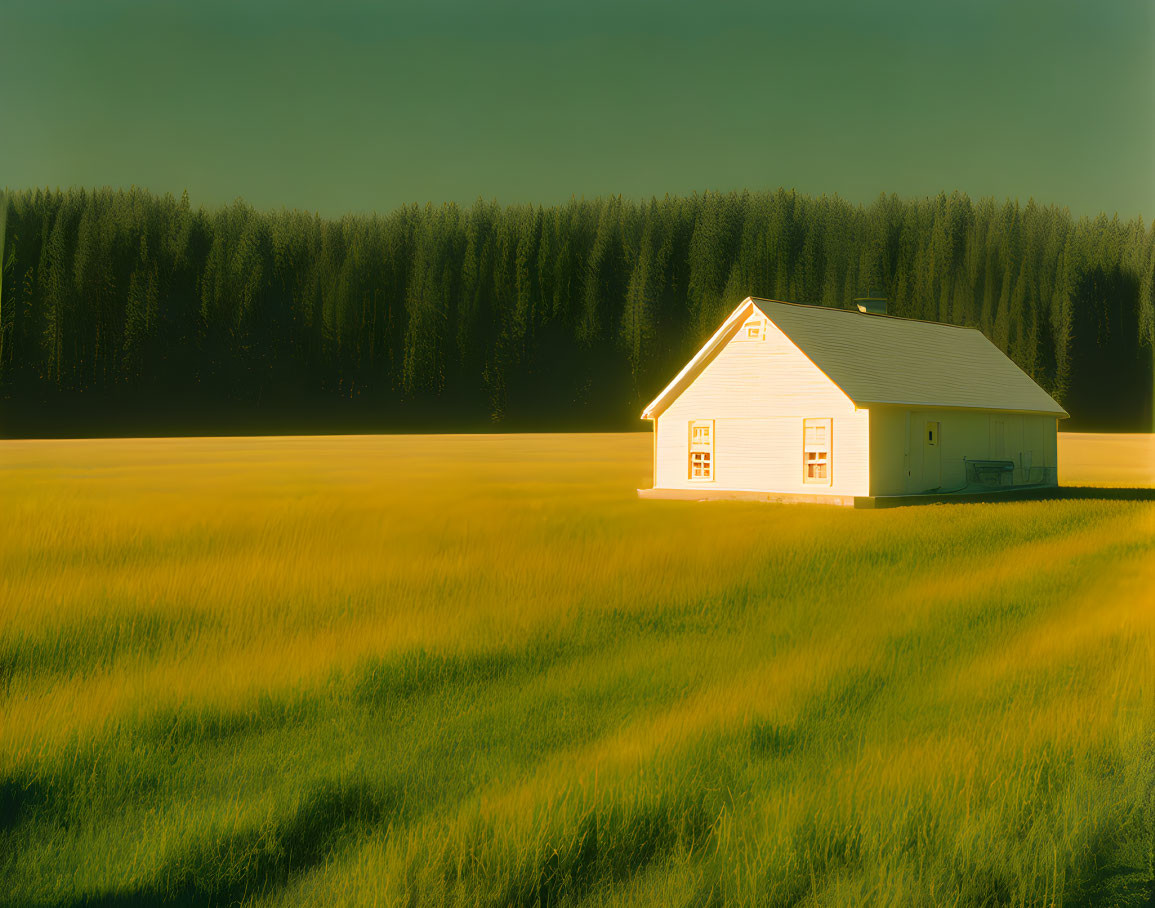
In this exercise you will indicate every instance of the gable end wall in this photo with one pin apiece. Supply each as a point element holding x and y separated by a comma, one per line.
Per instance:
<point>758,392</point>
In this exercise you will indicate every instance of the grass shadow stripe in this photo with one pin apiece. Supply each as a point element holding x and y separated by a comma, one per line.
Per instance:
<point>256,861</point>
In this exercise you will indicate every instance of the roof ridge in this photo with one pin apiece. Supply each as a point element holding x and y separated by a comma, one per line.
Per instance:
<point>899,318</point>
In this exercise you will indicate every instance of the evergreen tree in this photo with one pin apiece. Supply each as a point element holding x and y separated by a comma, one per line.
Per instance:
<point>585,308</point>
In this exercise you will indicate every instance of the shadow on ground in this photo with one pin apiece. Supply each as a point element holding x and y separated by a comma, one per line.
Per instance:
<point>254,862</point>
<point>1093,493</point>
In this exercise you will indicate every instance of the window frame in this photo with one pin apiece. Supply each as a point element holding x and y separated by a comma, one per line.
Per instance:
<point>823,449</point>
<point>932,433</point>
<point>755,325</point>
<point>704,450</point>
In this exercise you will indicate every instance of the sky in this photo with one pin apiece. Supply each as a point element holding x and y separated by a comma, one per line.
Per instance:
<point>347,105</point>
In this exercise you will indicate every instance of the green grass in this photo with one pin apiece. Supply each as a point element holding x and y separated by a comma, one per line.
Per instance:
<point>477,670</point>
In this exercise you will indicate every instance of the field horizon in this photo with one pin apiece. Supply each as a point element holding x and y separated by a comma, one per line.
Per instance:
<point>477,670</point>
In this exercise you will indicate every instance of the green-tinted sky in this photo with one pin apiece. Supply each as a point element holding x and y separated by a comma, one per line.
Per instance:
<point>359,106</point>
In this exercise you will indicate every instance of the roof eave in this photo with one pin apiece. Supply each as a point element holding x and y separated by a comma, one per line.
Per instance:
<point>659,403</point>
<point>866,404</point>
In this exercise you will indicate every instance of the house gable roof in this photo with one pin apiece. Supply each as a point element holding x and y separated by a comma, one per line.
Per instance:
<point>881,359</point>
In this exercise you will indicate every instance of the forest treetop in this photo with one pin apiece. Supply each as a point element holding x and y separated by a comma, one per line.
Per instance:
<point>573,314</point>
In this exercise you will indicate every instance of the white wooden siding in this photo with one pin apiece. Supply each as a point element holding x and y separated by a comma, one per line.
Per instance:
<point>897,446</point>
<point>758,392</point>
<point>888,455</point>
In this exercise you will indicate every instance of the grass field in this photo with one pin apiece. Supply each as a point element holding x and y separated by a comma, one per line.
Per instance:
<point>477,670</point>
<point>1086,459</point>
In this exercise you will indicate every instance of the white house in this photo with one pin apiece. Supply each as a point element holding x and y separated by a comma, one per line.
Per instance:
<point>808,403</point>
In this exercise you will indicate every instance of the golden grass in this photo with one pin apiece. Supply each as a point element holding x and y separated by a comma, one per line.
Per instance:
<point>477,670</point>
<point>1091,459</point>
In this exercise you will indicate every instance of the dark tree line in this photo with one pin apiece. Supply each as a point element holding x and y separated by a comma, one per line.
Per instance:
<point>117,302</point>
